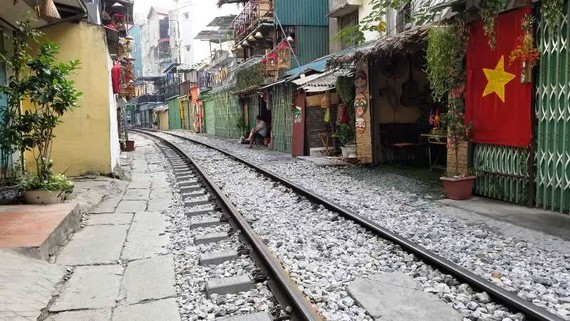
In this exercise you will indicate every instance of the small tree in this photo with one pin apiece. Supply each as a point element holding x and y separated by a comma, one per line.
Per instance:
<point>11,131</point>
<point>51,95</point>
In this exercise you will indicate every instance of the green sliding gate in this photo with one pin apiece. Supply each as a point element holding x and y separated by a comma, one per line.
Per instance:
<point>553,116</point>
<point>502,173</point>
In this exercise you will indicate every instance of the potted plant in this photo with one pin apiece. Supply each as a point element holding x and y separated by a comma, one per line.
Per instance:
<point>345,135</point>
<point>456,185</point>
<point>50,94</point>
<point>446,74</point>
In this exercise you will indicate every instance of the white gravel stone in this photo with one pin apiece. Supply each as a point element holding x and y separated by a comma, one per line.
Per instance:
<point>405,206</point>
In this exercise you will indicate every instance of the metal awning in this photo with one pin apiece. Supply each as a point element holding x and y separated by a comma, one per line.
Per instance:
<point>303,80</point>
<point>11,12</point>
<point>323,82</point>
<point>223,22</point>
<point>216,36</point>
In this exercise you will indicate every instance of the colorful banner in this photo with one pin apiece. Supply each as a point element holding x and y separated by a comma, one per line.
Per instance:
<point>496,102</point>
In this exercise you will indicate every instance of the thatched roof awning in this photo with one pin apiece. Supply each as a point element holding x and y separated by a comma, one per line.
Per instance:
<point>406,42</point>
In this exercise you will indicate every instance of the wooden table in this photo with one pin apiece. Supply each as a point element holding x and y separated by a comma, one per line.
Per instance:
<point>433,141</point>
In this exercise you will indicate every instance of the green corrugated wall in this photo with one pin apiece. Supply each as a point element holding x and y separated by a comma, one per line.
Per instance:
<point>209,117</point>
<point>302,12</point>
<point>174,120</point>
<point>222,111</point>
<point>313,43</point>
<point>282,117</point>
<point>252,110</point>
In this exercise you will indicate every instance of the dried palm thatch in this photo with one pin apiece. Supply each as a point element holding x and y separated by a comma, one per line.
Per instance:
<point>403,43</point>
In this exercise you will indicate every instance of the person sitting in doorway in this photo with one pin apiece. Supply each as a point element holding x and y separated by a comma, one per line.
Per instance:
<point>258,132</point>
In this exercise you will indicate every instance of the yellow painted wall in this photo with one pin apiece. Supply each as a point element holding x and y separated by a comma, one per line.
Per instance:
<point>83,142</point>
<point>163,120</point>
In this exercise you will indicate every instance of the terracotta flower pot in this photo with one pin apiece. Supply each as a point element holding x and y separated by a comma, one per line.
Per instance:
<point>458,188</point>
<point>129,146</point>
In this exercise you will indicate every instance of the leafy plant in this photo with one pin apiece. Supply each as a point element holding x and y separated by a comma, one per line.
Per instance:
<point>489,11</point>
<point>552,12</point>
<point>345,89</point>
<point>445,53</point>
<point>50,183</point>
<point>249,78</point>
<point>375,21</point>
<point>11,132</point>
<point>344,133</point>
<point>525,50</point>
<point>51,94</point>
<point>458,132</point>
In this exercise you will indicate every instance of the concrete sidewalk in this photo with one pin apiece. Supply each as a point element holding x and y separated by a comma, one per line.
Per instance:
<point>121,267</point>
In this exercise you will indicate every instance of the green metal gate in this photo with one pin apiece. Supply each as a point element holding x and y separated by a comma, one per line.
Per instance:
<point>552,155</point>
<point>502,172</point>
<point>209,117</point>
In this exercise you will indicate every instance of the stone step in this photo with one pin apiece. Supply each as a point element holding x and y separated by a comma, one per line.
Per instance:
<point>187,184</point>
<point>205,222</point>
<point>196,202</point>
<point>218,257</point>
<point>259,316</point>
<point>210,238</point>
<point>231,285</point>
<point>190,188</point>
<point>191,213</point>
<point>193,194</point>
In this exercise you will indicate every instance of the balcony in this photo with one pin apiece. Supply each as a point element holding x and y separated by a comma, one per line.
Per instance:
<point>172,90</point>
<point>339,8</point>
<point>255,14</point>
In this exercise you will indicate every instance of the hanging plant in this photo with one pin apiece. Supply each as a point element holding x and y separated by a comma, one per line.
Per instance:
<point>345,89</point>
<point>525,50</point>
<point>552,14</point>
<point>444,55</point>
<point>489,11</point>
<point>249,78</point>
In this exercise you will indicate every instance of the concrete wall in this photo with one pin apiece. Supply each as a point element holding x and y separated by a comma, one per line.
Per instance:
<point>84,142</point>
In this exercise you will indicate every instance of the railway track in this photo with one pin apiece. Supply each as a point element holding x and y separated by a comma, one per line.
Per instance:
<point>510,300</point>
<point>207,207</point>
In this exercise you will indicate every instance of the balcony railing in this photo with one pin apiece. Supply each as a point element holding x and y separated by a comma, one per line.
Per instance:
<point>253,14</point>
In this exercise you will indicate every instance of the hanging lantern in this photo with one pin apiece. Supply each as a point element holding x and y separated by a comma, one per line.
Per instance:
<point>47,10</point>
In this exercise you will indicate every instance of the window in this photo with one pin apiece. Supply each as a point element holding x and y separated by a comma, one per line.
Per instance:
<point>348,20</point>
<point>187,15</point>
<point>187,47</point>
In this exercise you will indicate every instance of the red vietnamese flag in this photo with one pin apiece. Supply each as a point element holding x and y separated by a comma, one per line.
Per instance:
<point>496,102</point>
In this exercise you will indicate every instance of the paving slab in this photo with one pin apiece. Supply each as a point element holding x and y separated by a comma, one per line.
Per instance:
<point>82,315</point>
<point>110,219</point>
<point>397,297</point>
<point>141,194</point>
<point>26,285</point>
<point>131,206</point>
<point>159,204</point>
<point>146,237</point>
<point>139,184</point>
<point>98,244</point>
<point>149,279</point>
<point>90,287</point>
<point>163,310</point>
<point>108,205</point>
<point>161,193</point>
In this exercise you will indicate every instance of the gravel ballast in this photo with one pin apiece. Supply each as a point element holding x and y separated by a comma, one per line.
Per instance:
<point>323,251</point>
<point>191,277</point>
<point>405,206</point>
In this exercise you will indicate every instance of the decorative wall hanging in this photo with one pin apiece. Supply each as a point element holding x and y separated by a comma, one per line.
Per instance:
<point>360,104</point>
<point>360,124</point>
<point>361,82</point>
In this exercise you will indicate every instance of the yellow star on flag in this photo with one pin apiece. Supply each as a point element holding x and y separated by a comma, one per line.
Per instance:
<point>497,79</point>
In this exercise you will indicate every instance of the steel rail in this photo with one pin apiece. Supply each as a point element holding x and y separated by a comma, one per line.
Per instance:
<point>531,311</point>
<point>302,307</point>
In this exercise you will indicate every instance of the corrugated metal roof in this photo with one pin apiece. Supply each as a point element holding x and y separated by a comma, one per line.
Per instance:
<point>302,12</point>
<point>312,42</point>
<point>325,81</point>
<point>303,80</point>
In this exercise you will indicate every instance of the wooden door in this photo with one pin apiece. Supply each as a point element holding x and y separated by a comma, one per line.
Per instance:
<point>298,147</point>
